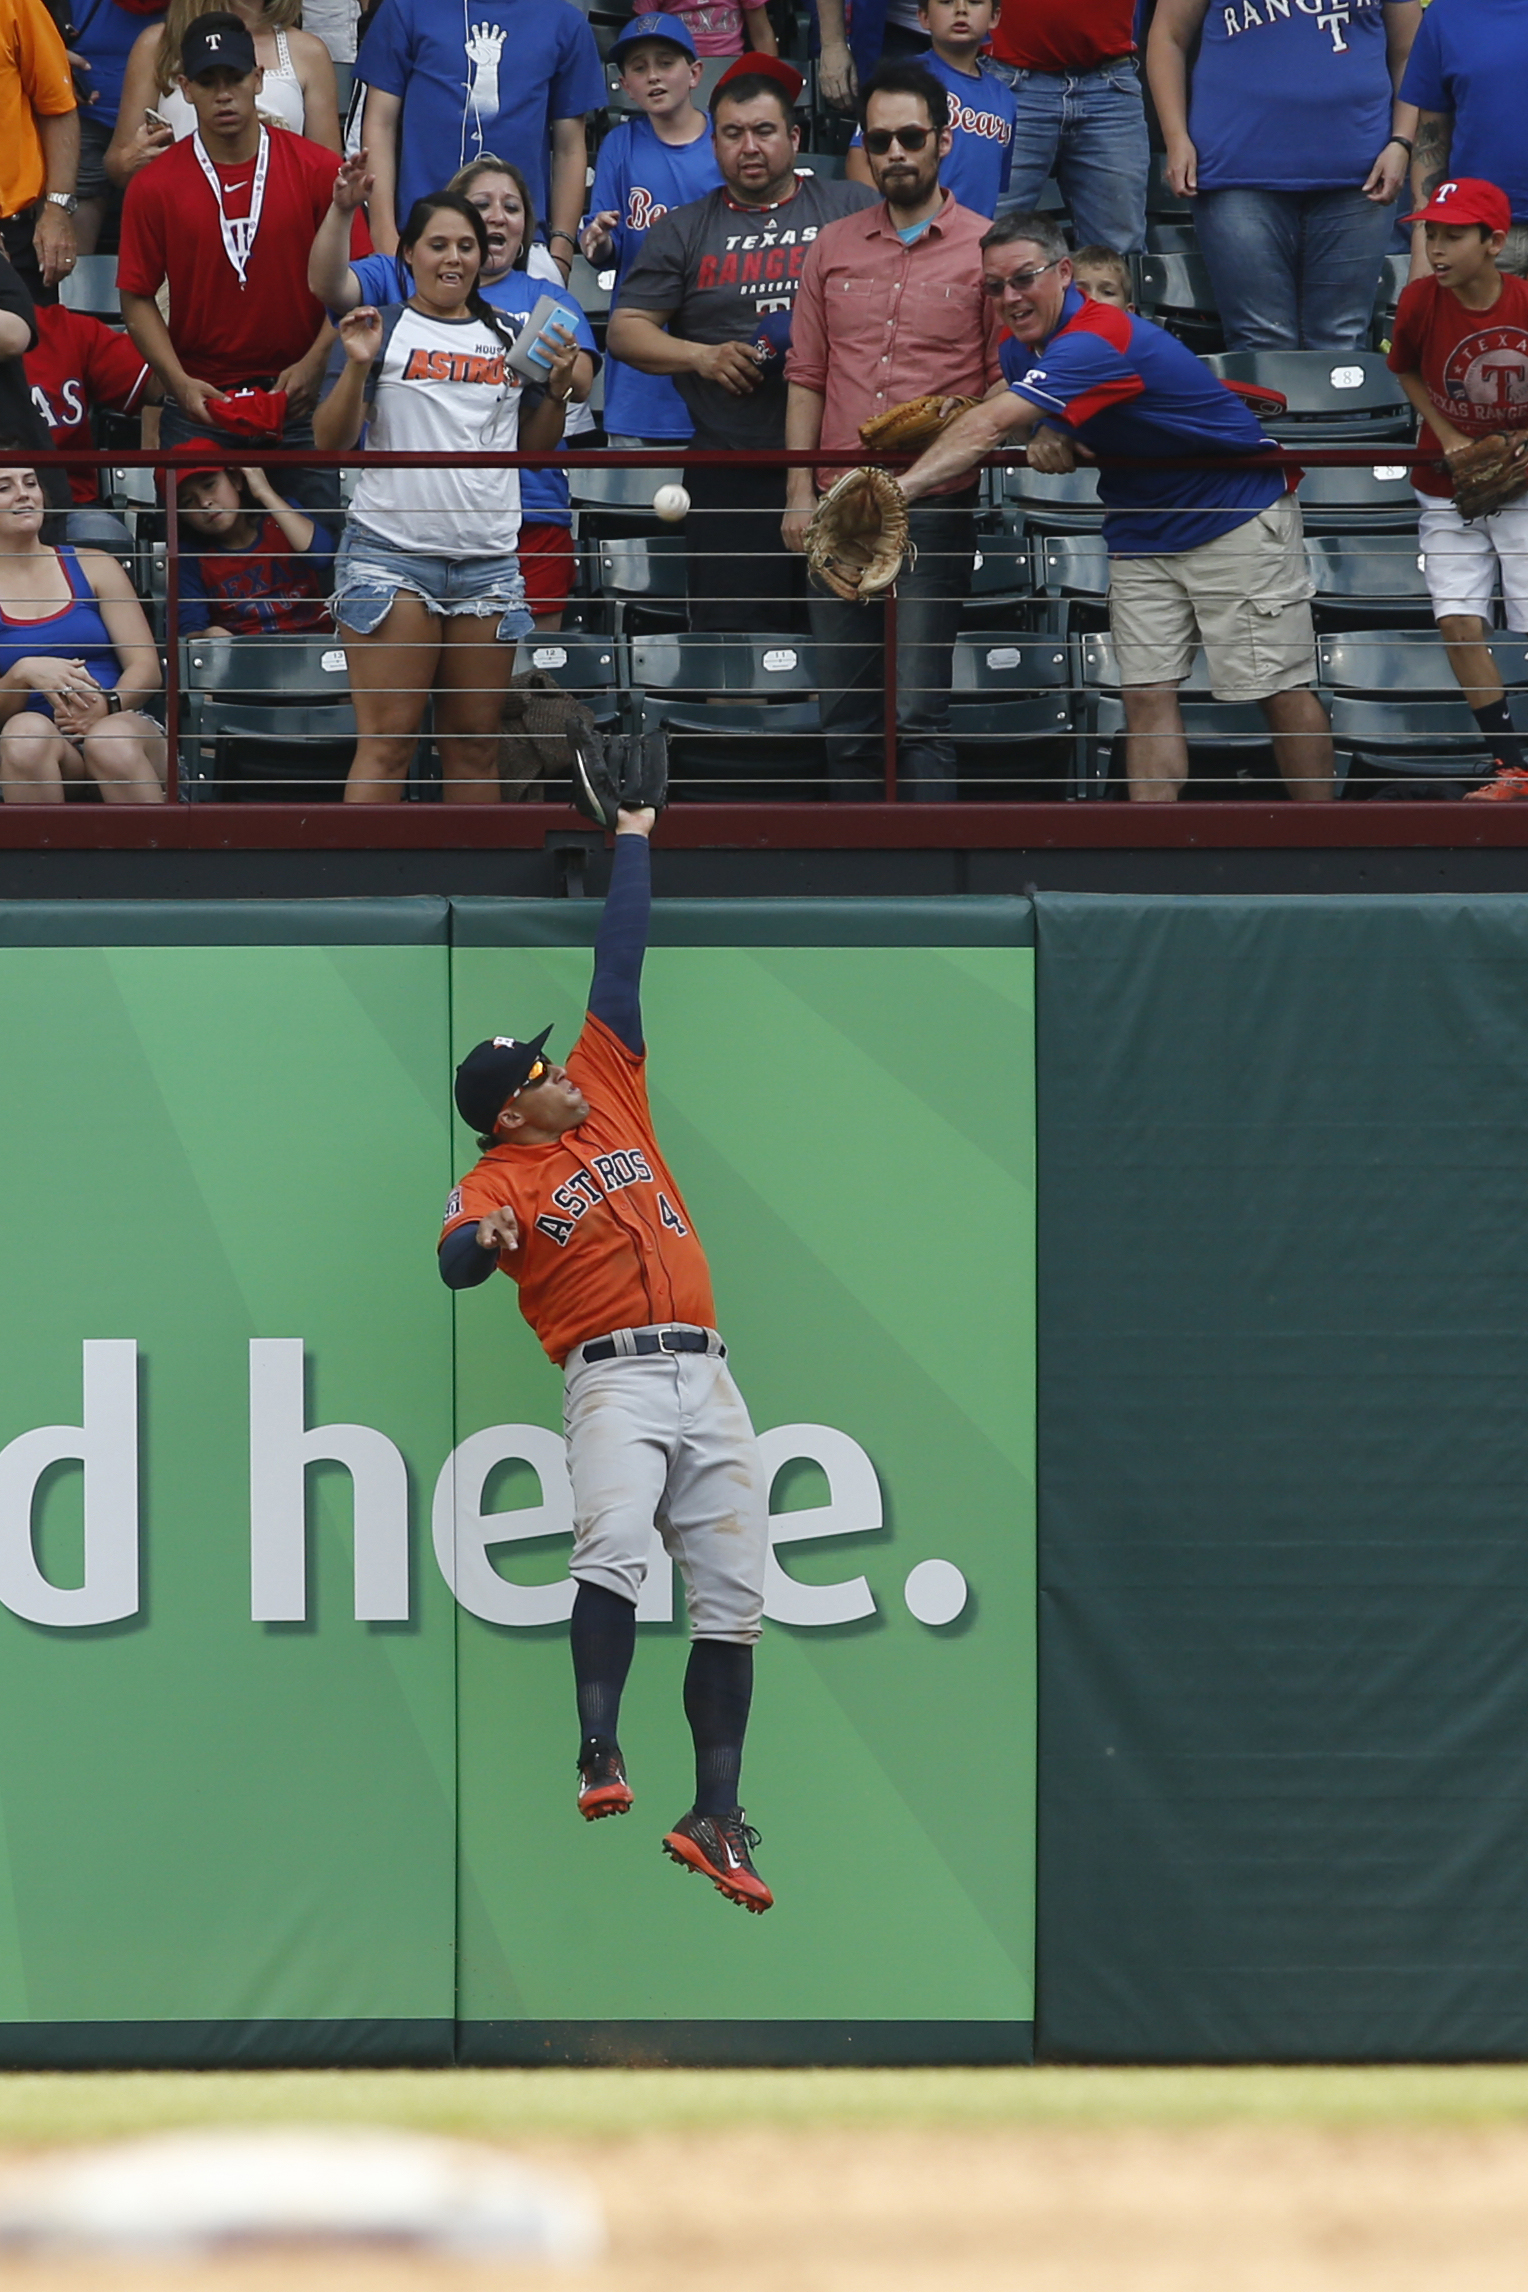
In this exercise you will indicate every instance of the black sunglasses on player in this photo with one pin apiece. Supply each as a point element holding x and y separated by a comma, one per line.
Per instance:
<point>879,140</point>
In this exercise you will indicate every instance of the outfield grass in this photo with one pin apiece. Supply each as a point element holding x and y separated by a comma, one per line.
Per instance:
<point>568,2103</point>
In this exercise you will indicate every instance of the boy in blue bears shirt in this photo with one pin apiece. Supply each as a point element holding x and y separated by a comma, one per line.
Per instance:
<point>647,165</point>
<point>982,106</point>
<point>1212,556</point>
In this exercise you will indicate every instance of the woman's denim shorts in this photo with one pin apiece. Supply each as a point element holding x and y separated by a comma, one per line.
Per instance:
<point>369,573</point>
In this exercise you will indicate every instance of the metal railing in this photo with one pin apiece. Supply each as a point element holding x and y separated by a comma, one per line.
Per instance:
<point>1381,657</point>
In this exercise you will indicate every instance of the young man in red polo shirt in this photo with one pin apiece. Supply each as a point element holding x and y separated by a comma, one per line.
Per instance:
<point>891,306</point>
<point>228,216</point>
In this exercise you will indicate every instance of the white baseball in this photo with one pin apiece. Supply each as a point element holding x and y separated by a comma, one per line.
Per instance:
<point>671,502</point>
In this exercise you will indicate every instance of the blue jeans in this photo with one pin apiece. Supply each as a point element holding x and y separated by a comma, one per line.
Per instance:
<point>1088,129</point>
<point>1293,270</point>
<point>851,670</point>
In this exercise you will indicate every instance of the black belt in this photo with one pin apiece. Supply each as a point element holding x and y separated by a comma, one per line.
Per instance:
<point>652,1341</point>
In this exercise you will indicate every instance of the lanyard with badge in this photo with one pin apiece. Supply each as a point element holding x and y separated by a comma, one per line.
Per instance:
<point>238,236</point>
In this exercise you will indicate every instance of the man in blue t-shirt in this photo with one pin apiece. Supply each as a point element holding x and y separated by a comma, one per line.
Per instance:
<point>506,77</point>
<point>661,159</point>
<point>1212,556</point>
<point>1466,74</point>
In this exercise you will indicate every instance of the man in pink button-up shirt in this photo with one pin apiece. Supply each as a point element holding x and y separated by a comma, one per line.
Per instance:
<point>891,306</point>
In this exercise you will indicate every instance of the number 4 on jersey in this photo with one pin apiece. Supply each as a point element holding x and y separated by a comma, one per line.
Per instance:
<point>670,1216</point>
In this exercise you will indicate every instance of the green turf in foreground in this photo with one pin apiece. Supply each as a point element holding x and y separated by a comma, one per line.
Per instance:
<point>556,2103</point>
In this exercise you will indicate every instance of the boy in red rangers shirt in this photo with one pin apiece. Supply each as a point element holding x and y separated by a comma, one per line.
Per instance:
<point>574,1201</point>
<point>1460,353</point>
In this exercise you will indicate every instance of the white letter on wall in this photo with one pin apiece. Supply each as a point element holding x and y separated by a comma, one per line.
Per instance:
<point>107,1445</point>
<point>853,1509</point>
<point>464,1532</point>
<point>280,1449</point>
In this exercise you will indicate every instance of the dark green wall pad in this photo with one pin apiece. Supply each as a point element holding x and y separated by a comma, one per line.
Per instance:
<point>974,922</point>
<point>744,2044</point>
<point>224,922</point>
<point>1283,1454</point>
<point>371,2044</point>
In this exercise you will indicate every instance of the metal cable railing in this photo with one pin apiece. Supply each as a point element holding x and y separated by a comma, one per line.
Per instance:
<point>1015,697</point>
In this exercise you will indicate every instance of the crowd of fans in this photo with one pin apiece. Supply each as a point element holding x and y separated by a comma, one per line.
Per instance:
<point>343,228</point>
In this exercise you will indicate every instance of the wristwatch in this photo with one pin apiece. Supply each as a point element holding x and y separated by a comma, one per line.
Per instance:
<point>64,199</point>
<point>114,704</point>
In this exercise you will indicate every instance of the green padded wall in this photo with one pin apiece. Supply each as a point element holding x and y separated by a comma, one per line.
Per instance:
<point>1284,1455</point>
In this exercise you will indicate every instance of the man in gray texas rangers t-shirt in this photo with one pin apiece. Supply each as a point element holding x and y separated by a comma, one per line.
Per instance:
<point>708,301</point>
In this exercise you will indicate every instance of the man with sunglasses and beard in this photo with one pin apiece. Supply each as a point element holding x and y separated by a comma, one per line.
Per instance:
<point>573,1199</point>
<point>891,307</point>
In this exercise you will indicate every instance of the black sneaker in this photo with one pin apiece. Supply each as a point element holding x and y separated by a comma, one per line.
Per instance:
<point>718,1847</point>
<point>602,1785</point>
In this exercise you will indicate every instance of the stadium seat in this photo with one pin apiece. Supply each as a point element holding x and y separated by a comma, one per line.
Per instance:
<point>587,666</point>
<point>1375,498</point>
<point>590,289</point>
<point>1228,743</point>
<point>612,498</point>
<point>1011,715</point>
<point>831,166</point>
<point>1379,664</point>
<point>92,287</point>
<point>1163,203</point>
<point>1060,503</point>
<point>1412,739</point>
<point>1003,575</point>
<point>1392,280</point>
<point>1174,290</point>
<point>741,713</point>
<point>1170,238</point>
<point>644,581</point>
<point>1368,579</point>
<point>1343,398</point>
<point>268,718</point>
<point>1397,710</point>
<point>1072,573</point>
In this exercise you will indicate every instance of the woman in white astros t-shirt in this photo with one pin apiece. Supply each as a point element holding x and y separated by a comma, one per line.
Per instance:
<point>428,593</point>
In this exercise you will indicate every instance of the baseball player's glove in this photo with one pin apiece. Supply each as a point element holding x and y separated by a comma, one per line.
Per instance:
<point>1488,473</point>
<point>858,540</point>
<point>628,772</point>
<point>916,423</point>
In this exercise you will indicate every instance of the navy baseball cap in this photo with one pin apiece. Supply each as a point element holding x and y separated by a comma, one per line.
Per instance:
<point>653,27</point>
<point>492,1072</point>
<point>214,42</point>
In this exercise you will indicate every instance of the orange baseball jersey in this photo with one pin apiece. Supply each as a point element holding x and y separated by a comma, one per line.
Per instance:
<point>605,1239</point>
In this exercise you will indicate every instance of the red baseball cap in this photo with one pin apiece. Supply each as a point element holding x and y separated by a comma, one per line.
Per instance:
<point>196,469</point>
<point>1468,199</point>
<point>774,68</point>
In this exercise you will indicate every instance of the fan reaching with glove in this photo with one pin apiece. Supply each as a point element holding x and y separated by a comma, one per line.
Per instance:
<point>858,540</point>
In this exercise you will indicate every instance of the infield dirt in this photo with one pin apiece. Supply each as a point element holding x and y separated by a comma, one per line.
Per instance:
<point>1205,2209</point>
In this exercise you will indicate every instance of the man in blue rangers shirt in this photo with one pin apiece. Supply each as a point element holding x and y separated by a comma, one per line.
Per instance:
<point>1196,556</point>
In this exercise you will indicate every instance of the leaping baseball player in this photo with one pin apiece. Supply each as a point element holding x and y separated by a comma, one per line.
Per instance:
<point>573,1200</point>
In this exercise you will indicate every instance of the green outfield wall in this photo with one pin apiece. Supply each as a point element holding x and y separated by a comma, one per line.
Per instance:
<point>1129,1292</point>
<point>286,1768</point>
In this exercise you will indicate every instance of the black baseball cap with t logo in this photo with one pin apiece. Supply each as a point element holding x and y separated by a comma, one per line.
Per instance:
<point>217,43</point>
